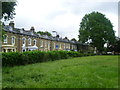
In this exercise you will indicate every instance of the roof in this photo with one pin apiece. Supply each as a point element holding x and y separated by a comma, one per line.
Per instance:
<point>36,35</point>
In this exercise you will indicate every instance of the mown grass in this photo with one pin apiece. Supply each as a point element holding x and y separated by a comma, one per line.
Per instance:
<point>82,72</point>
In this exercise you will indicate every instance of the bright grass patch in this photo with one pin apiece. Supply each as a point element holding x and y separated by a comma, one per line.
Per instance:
<point>81,72</point>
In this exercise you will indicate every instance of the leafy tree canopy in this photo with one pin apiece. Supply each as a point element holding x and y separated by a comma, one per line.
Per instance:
<point>45,33</point>
<point>97,30</point>
<point>73,39</point>
<point>8,10</point>
<point>115,47</point>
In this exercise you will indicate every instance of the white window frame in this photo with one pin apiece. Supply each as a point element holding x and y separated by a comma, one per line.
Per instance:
<point>29,41</point>
<point>72,46</point>
<point>60,45</point>
<point>41,43</point>
<point>45,43</point>
<point>48,45</point>
<point>13,39</point>
<point>68,46</point>
<point>64,46</point>
<point>34,42</point>
<point>5,39</point>
<point>24,41</point>
<point>54,45</point>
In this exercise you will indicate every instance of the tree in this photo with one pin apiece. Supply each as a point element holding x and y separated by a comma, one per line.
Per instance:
<point>45,33</point>
<point>115,47</point>
<point>1,27</point>
<point>73,39</point>
<point>97,30</point>
<point>48,33</point>
<point>8,10</point>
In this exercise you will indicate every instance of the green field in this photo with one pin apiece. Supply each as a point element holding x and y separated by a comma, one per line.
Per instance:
<point>81,72</point>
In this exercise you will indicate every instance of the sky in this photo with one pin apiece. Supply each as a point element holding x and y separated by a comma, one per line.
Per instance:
<point>62,16</point>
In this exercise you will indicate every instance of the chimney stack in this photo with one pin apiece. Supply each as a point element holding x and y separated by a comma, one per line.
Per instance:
<point>12,24</point>
<point>32,29</point>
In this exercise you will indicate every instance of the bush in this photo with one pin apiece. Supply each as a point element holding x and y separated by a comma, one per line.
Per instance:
<point>73,54</point>
<point>64,54</point>
<point>17,58</point>
<point>11,58</point>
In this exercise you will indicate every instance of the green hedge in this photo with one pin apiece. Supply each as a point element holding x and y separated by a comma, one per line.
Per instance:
<point>17,58</point>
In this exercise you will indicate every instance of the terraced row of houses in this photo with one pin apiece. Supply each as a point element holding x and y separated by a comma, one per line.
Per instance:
<point>21,40</point>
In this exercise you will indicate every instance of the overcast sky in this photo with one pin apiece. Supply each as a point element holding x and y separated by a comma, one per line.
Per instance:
<point>63,16</point>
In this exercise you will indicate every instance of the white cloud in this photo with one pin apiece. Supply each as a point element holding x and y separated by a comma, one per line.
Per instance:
<point>114,20</point>
<point>66,20</point>
<point>64,16</point>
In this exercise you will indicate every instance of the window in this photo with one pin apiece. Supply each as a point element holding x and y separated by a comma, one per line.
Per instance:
<point>48,45</point>
<point>41,43</point>
<point>29,41</point>
<point>72,46</point>
<point>34,42</point>
<point>45,43</point>
<point>5,38</point>
<point>60,45</point>
<point>24,41</point>
<point>54,45</point>
<point>13,40</point>
<point>64,46</point>
<point>23,50</point>
<point>68,46</point>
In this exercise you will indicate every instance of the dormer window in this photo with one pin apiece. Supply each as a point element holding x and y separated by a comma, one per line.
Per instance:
<point>5,38</point>
<point>21,31</point>
<point>31,33</point>
<point>32,30</point>
<point>11,29</point>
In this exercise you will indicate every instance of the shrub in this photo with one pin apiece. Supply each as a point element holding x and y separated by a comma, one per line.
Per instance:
<point>73,54</point>
<point>11,58</point>
<point>64,54</point>
<point>17,58</point>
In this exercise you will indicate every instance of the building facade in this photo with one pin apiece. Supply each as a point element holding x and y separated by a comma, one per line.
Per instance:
<point>28,40</point>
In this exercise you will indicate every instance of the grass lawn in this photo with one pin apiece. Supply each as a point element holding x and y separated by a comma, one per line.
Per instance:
<point>81,72</point>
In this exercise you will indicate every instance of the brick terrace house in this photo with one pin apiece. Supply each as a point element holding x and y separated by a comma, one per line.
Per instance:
<point>21,40</point>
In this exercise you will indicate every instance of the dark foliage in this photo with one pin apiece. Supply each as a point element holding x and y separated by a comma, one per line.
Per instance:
<point>44,33</point>
<point>97,30</point>
<point>115,47</point>
<point>8,10</point>
<point>17,58</point>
